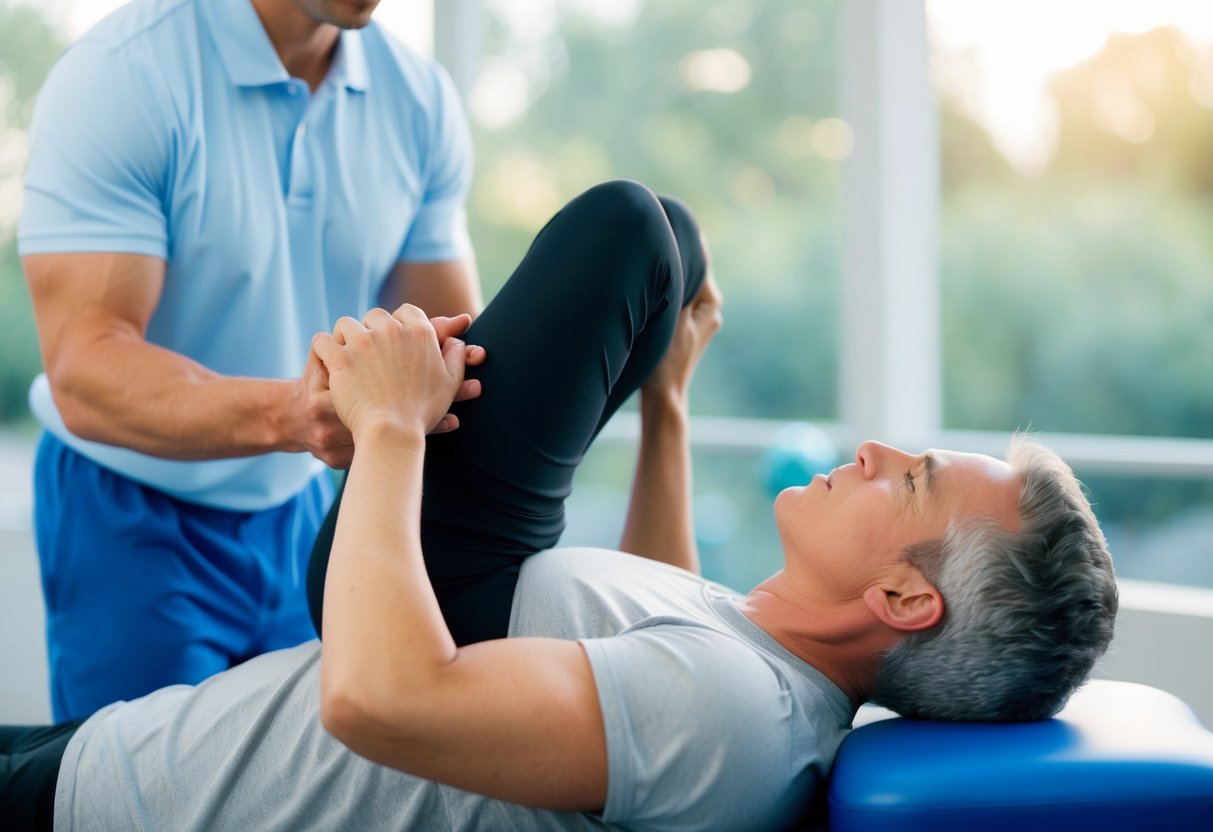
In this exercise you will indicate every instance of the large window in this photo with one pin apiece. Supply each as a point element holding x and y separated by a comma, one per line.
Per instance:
<point>1075,247</point>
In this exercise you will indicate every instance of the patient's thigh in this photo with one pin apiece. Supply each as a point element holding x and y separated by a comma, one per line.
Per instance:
<point>582,321</point>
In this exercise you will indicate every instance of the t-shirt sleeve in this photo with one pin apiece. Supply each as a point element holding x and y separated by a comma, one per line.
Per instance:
<point>99,156</point>
<point>439,231</point>
<point>698,732</point>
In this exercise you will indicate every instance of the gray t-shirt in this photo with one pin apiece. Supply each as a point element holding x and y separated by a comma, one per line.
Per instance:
<point>710,724</point>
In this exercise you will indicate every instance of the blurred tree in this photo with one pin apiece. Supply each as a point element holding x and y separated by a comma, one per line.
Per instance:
<point>1100,272</point>
<point>1080,308</point>
<point>728,104</point>
<point>967,154</point>
<point>29,45</point>
<point>1141,109</point>
<point>1081,300</point>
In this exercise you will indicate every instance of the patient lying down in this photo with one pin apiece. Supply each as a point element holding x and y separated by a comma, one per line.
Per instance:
<point>472,677</point>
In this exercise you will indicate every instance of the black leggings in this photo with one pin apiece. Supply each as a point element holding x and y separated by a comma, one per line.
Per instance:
<point>29,770</point>
<point>580,324</point>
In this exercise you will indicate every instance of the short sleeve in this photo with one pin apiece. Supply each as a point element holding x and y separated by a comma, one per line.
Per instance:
<point>99,156</point>
<point>698,731</point>
<point>439,231</point>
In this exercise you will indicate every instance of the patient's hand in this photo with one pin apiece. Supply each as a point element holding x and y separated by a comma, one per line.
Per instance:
<point>390,370</point>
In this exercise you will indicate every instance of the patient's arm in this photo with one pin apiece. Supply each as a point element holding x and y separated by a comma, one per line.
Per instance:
<point>660,524</point>
<point>517,720</point>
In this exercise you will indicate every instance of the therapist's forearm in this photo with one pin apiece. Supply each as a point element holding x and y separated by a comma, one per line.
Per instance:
<point>446,288</point>
<point>122,390</point>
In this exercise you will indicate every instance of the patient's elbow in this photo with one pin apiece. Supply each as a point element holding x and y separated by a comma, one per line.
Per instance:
<point>342,714</point>
<point>372,719</point>
<point>354,715</point>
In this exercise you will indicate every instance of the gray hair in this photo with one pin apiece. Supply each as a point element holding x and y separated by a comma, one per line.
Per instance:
<point>1025,615</point>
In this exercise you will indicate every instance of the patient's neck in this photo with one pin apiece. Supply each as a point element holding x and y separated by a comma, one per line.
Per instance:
<point>842,639</point>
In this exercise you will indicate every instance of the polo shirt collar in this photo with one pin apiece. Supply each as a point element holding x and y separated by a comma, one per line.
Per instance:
<point>349,64</point>
<point>249,57</point>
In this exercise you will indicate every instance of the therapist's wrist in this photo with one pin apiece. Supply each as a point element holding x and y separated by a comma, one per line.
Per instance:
<point>301,418</point>
<point>284,416</point>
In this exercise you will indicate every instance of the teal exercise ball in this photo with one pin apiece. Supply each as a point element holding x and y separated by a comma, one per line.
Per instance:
<point>797,453</point>
<point>716,519</point>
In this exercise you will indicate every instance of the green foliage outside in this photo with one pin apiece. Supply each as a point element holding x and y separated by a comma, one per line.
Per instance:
<point>618,106</point>
<point>1080,299</point>
<point>28,46</point>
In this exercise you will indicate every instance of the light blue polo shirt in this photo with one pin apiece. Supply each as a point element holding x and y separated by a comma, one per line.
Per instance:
<point>171,129</point>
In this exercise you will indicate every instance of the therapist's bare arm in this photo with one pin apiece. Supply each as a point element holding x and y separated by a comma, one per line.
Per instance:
<point>515,719</point>
<point>443,288</point>
<point>112,386</point>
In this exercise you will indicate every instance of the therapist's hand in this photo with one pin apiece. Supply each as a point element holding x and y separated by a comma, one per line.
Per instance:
<point>389,371</point>
<point>313,424</point>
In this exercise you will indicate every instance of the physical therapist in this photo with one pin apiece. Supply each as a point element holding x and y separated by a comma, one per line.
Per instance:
<point>211,182</point>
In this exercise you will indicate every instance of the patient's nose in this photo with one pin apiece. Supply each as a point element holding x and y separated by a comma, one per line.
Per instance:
<point>872,457</point>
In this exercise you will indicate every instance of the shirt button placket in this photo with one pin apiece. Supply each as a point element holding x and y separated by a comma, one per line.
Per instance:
<point>301,173</point>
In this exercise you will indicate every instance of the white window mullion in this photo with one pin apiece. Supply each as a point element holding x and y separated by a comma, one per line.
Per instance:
<point>890,344</point>
<point>457,40</point>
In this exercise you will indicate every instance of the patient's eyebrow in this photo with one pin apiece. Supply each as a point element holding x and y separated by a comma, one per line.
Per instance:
<point>929,460</point>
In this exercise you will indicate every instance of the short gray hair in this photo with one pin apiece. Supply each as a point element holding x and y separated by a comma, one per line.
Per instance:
<point>1025,615</point>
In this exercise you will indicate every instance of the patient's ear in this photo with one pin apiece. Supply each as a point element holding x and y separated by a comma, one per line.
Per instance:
<point>909,602</point>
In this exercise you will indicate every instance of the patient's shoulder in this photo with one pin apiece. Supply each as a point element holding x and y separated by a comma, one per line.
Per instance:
<point>704,730</point>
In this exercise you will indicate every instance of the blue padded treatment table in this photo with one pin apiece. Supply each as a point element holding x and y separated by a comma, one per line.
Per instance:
<point>1118,756</point>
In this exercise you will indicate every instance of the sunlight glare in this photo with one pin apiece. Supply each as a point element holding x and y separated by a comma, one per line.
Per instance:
<point>715,70</point>
<point>520,190</point>
<point>1119,110</point>
<point>1015,47</point>
<point>500,96</point>
<point>832,138</point>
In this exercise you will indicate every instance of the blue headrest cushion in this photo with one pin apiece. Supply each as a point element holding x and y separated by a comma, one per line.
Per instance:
<point>1118,756</point>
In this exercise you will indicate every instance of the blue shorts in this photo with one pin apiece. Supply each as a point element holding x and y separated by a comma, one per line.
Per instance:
<point>143,590</point>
